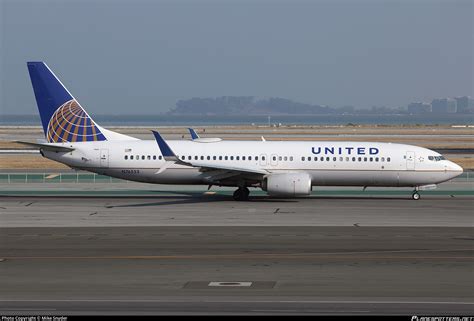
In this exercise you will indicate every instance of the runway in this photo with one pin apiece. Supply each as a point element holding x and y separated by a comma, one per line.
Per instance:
<point>322,270</point>
<point>198,209</point>
<point>76,248</point>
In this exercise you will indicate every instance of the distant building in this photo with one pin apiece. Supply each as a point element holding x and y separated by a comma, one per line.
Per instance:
<point>419,108</point>
<point>465,104</point>
<point>444,105</point>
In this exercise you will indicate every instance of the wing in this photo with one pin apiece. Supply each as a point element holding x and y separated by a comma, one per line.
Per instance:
<point>216,172</point>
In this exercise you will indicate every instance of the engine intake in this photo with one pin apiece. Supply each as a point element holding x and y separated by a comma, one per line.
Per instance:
<point>288,184</point>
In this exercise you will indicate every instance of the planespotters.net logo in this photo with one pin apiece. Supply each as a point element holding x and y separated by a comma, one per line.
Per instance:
<point>417,318</point>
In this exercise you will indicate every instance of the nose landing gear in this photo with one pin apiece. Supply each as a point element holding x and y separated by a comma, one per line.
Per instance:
<point>415,196</point>
<point>241,194</point>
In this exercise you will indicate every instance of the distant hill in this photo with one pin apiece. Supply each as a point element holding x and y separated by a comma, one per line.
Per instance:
<point>246,105</point>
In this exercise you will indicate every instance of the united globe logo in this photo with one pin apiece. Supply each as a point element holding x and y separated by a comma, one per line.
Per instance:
<point>70,123</point>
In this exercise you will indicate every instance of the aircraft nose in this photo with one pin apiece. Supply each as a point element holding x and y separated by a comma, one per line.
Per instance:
<point>455,169</point>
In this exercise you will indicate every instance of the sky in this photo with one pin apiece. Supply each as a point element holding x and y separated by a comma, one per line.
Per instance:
<point>140,57</point>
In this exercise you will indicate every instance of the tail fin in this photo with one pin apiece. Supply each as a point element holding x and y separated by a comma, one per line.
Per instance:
<point>63,118</point>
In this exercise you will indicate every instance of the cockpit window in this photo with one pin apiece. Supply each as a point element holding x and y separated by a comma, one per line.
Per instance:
<point>436,158</point>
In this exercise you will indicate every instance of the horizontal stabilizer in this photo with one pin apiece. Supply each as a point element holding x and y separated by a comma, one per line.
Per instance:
<point>48,147</point>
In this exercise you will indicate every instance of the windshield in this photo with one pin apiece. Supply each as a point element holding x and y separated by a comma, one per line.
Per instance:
<point>436,158</point>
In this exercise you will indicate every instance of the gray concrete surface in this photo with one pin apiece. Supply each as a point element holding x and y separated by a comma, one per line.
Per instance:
<point>314,270</point>
<point>139,249</point>
<point>196,209</point>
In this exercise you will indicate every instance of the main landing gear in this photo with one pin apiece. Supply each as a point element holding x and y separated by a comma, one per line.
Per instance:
<point>241,194</point>
<point>415,195</point>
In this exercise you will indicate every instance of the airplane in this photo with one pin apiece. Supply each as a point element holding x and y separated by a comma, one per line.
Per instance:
<point>281,168</point>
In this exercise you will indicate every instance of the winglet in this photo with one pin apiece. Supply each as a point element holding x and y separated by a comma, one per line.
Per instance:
<point>165,149</point>
<point>193,133</point>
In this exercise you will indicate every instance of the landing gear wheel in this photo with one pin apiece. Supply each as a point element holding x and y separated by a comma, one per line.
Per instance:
<point>415,196</point>
<point>241,194</point>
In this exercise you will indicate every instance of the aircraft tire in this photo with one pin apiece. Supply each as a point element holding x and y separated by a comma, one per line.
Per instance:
<point>241,194</point>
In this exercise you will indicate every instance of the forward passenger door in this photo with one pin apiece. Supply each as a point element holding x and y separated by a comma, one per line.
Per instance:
<point>410,158</point>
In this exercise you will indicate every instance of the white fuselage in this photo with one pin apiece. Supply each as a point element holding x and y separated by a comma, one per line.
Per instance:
<point>327,163</point>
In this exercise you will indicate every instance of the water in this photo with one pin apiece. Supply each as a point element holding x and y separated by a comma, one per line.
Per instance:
<point>167,120</point>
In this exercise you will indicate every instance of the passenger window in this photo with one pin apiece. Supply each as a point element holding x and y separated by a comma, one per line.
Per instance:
<point>183,157</point>
<point>334,159</point>
<point>286,158</point>
<point>376,159</point>
<point>243,158</point>
<point>353,159</point>
<point>226,158</point>
<point>160,157</point>
<point>322,159</point>
<point>347,159</point>
<point>371,159</point>
<point>220,157</point>
<point>131,156</point>
<point>382,159</point>
<point>263,157</point>
<point>365,159</point>
<point>208,157</point>
<point>280,158</point>
<point>274,158</point>
<point>202,157</point>
<point>196,158</point>
<point>231,157</point>
<point>148,157</point>
<point>315,158</point>
<point>302,158</point>
<point>126,157</point>
<point>250,157</point>
<point>154,157</point>
<point>341,159</point>
<point>388,159</point>
<point>237,157</point>
<point>256,158</point>
<point>327,159</point>
<point>189,157</point>
<point>291,158</point>
<point>143,157</point>
<point>214,157</point>
<point>359,159</point>
<point>137,157</point>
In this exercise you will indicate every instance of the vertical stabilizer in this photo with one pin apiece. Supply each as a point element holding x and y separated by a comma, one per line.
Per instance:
<point>62,117</point>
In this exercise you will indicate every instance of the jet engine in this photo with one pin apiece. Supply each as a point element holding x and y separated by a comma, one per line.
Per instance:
<point>287,184</point>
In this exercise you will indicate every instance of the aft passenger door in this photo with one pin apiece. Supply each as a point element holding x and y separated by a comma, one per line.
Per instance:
<point>104,158</point>
<point>410,158</point>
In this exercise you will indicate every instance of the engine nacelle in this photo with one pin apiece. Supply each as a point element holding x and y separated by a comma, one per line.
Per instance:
<point>287,184</point>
